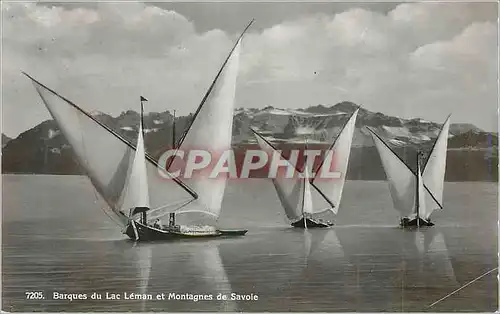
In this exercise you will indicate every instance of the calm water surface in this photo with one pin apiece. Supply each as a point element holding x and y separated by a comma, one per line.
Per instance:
<point>56,238</point>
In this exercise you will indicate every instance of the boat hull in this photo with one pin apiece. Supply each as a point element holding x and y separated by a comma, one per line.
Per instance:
<point>140,232</point>
<point>232,232</point>
<point>415,222</point>
<point>311,223</point>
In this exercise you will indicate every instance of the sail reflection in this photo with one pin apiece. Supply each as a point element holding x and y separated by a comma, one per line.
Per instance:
<point>208,259</point>
<point>473,256</point>
<point>402,269</point>
<point>144,252</point>
<point>184,272</point>
<point>338,269</point>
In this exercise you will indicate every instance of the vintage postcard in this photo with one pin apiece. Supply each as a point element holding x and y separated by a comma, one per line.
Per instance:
<point>249,156</point>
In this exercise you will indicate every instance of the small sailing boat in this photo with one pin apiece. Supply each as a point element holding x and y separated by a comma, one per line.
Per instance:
<point>415,194</point>
<point>128,178</point>
<point>310,196</point>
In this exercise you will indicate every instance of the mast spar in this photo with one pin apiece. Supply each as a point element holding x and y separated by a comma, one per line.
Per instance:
<point>142,113</point>
<point>173,131</point>
<point>417,198</point>
<point>140,145</point>
<point>306,181</point>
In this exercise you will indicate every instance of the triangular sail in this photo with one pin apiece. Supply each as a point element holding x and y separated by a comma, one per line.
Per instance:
<point>211,131</point>
<point>338,155</point>
<point>402,181</point>
<point>434,170</point>
<point>291,191</point>
<point>137,186</point>
<point>107,157</point>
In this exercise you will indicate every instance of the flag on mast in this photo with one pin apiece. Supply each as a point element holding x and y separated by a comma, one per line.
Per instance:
<point>143,98</point>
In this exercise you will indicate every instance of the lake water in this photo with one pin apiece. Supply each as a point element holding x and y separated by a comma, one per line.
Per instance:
<point>57,239</point>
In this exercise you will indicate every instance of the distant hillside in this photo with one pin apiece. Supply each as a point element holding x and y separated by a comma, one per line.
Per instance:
<point>473,139</point>
<point>472,152</point>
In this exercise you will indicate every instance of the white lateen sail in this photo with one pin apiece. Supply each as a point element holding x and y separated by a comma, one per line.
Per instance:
<point>289,190</point>
<point>338,155</point>
<point>315,195</point>
<point>434,170</point>
<point>403,181</point>
<point>107,158</point>
<point>211,131</point>
<point>292,191</point>
<point>137,194</point>
<point>126,180</point>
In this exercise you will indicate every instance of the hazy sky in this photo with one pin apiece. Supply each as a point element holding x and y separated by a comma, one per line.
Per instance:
<point>410,60</point>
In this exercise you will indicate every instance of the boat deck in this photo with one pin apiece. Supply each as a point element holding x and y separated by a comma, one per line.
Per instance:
<point>141,232</point>
<point>312,223</point>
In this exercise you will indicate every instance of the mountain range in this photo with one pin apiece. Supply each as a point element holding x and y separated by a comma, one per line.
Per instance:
<point>472,152</point>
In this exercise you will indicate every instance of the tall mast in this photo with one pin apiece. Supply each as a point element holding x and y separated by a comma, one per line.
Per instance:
<point>142,116</point>
<point>143,99</point>
<point>304,188</point>
<point>417,196</point>
<point>173,131</point>
<point>304,171</point>
<point>141,129</point>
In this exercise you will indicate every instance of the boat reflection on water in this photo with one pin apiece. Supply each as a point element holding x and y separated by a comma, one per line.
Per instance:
<point>339,269</point>
<point>349,269</point>
<point>398,271</point>
<point>184,276</point>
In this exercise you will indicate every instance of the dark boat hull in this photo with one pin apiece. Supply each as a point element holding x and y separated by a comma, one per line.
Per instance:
<point>232,232</point>
<point>148,233</point>
<point>311,223</point>
<point>415,222</point>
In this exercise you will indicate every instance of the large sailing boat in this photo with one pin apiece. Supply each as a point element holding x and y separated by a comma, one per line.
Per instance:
<point>309,196</point>
<point>130,183</point>
<point>416,194</point>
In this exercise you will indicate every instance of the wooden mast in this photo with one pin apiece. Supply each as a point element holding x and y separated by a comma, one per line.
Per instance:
<point>143,214</point>
<point>304,187</point>
<point>417,196</point>
<point>173,131</point>
<point>171,223</point>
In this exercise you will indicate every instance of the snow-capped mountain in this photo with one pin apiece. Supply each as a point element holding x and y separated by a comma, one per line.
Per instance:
<point>43,148</point>
<point>323,124</point>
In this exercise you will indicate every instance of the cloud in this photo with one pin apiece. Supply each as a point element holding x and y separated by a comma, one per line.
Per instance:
<point>103,58</point>
<point>420,59</point>
<point>427,62</point>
